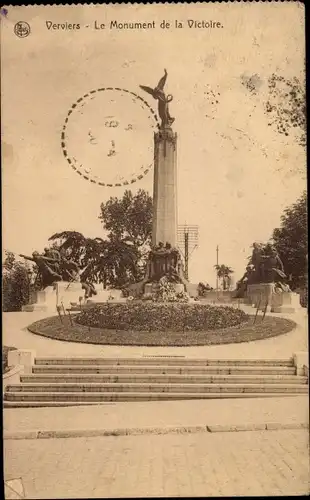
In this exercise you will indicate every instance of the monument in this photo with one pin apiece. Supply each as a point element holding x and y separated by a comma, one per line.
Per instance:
<point>164,259</point>
<point>264,282</point>
<point>58,282</point>
<point>61,283</point>
<point>165,171</point>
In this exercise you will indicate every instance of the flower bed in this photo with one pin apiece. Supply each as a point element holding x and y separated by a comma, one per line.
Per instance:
<point>247,331</point>
<point>152,316</point>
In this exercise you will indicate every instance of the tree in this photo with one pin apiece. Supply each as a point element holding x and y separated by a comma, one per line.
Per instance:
<point>16,283</point>
<point>88,253</point>
<point>120,258</point>
<point>129,218</point>
<point>112,262</point>
<point>290,240</point>
<point>223,272</point>
<point>128,221</point>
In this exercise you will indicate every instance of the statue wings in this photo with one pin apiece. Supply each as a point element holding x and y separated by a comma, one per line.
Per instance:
<point>148,90</point>
<point>159,87</point>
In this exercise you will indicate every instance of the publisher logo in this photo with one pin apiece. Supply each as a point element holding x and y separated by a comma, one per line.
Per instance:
<point>22,29</point>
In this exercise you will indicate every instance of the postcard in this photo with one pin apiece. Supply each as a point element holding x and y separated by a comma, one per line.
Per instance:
<point>154,255</point>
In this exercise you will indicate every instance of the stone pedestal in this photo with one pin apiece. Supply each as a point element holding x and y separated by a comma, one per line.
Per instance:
<point>285,302</point>
<point>44,300</point>
<point>260,294</point>
<point>192,289</point>
<point>67,293</point>
<point>114,295</point>
<point>301,362</point>
<point>102,296</point>
<point>165,188</point>
<point>24,357</point>
<point>280,302</point>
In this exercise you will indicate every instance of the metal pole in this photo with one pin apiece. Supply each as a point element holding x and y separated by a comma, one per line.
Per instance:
<point>186,253</point>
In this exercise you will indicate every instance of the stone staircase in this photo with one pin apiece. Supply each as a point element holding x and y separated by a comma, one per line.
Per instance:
<point>83,381</point>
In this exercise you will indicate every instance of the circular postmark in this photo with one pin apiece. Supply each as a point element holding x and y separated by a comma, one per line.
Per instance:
<point>22,29</point>
<point>106,137</point>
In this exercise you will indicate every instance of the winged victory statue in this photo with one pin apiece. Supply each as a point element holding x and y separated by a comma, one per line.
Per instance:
<point>163,100</point>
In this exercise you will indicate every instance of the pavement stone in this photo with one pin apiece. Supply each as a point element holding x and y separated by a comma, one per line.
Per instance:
<point>139,417</point>
<point>174,461</point>
<point>219,464</point>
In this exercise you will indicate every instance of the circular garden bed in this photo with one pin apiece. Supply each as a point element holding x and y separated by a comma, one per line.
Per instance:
<point>144,324</point>
<point>161,316</point>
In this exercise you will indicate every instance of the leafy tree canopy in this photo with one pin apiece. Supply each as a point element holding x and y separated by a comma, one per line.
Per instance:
<point>223,271</point>
<point>290,240</point>
<point>129,218</point>
<point>120,258</point>
<point>16,283</point>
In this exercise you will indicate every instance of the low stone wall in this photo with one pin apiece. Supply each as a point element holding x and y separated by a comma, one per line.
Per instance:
<point>24,357</point>
<point>301,362</point>
<point>218,296</point>
<point>285,302</point>
<point>260,295</point>
<point>263,294</point>
<point>12,376</point>
<point>192,289</point>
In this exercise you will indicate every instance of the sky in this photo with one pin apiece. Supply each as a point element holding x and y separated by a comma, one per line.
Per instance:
<point>236,173</point>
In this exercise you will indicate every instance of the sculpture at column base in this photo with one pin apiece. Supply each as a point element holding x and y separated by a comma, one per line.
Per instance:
<point>263,284</point>
<point>164,262</point>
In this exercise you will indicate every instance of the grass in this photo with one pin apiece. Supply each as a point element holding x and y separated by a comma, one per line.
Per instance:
<point>246,332</point>
<point>5,351</point>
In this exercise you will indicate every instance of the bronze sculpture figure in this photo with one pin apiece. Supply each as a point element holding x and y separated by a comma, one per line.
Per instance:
<point>163,101</point>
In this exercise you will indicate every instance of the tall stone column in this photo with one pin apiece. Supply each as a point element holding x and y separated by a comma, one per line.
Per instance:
<point>165,187</point>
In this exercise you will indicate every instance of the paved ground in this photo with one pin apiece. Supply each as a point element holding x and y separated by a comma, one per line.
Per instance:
<point>222,464</point>
<point>198,464</point>
<point>15,334</point>
<point>142,416</point>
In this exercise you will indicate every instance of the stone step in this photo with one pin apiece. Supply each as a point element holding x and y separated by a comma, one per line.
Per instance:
<point>154,388</point>
<point>168,379</point>
<point>164,369</point>
<point>164,360</point>
<point>39,404</point>
<point>68,398</point>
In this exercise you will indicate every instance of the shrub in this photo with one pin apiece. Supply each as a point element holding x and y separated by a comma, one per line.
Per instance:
<point>148,316</point>
<point>303,296</point>
<point>15,284</point>
<point>5,351</point>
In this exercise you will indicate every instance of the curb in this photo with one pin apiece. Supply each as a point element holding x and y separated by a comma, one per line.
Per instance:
<point>272,426</point>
